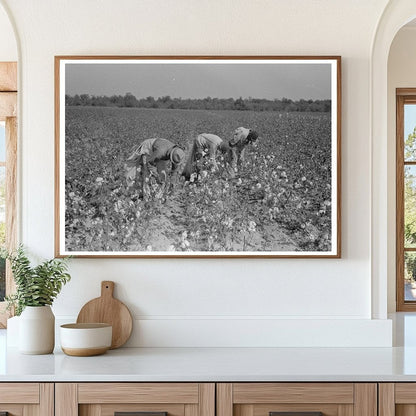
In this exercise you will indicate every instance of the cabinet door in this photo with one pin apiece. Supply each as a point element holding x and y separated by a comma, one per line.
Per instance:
<point>26,399</point>
<point>142,399</point>
<point>297,399</point>
<point>397,399</point>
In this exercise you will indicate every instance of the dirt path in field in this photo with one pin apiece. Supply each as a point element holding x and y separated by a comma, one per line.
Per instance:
<point>166,230</point>
<point>274,237</point>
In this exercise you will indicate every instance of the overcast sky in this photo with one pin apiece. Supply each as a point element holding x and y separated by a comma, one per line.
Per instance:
<point>294,80</point>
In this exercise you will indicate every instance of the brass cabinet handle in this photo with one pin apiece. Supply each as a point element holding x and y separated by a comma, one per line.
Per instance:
<point>139,414</point>
<point>295,413</point>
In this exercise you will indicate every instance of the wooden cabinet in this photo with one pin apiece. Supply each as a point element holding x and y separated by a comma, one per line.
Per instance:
<point>264,399</point>
<point>106,399</point>
<point>208,399</point>
<point>27,399</point>
<point>397,399</point>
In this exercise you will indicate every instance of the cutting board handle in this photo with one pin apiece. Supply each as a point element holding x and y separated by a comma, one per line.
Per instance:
<point>107,289</point>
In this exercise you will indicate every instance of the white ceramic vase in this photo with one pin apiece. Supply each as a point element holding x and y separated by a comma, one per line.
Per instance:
<point>37,330</point>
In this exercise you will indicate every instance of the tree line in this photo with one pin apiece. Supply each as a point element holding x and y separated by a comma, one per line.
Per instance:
<point>208,103</point>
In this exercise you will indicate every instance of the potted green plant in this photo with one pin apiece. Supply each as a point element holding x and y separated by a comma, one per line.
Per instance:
<point>36,289</point>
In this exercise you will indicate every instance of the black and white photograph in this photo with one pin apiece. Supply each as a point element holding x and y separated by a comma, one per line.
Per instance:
<point>198,157</point>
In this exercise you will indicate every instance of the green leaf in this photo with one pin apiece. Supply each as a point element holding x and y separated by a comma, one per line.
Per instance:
<point>35,286</point>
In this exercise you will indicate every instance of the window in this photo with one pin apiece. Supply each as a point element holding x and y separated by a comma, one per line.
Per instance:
<point>406,199</point>
<point>8,166</point>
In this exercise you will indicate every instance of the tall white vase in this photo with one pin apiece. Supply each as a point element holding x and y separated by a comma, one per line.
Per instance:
<point>37,330</point>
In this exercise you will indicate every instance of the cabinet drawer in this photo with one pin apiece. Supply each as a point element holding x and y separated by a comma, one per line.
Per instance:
<point>296,399</point>
<point>19,393</point>
<point>138,393</point>
<point>147,399</point>
<point>131,409</point>
<point>397,399</point>
<point>21,399</point>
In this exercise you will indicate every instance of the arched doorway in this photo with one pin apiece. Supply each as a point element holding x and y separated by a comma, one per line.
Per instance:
<point>395,16</point>
<point>8,150</point>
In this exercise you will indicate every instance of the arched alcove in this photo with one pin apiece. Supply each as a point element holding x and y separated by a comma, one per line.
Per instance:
<point>401,73</point>
<point>396,15</point>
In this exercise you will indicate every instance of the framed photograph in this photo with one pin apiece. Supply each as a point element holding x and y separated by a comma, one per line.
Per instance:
<point>202,156</point>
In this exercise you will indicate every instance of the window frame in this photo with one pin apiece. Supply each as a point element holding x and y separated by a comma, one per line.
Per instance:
<point>403,96</point>
<point>8,113</point>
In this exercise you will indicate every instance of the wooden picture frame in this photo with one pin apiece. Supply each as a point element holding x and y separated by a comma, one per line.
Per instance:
<point>198,156</point>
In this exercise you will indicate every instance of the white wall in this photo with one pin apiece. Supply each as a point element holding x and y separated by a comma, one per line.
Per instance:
<point>8,47</point>
<point>401,74</point>
<point>200,300</point>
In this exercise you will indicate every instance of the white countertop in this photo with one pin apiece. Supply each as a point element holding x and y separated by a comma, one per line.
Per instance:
<point>221,364</point>
<point>215,364</point>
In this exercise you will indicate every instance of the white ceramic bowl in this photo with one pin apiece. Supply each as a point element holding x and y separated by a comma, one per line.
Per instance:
<point>83,340</point>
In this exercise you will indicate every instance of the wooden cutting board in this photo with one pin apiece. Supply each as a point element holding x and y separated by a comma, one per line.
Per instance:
<point>108,310</point>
